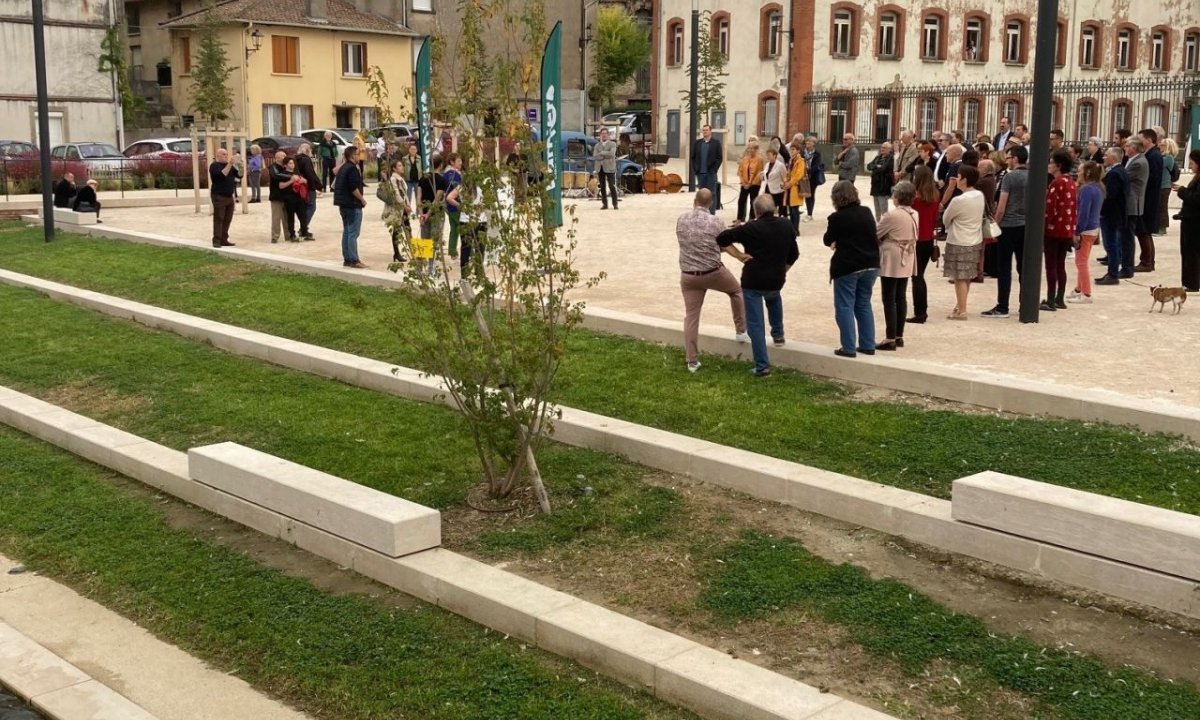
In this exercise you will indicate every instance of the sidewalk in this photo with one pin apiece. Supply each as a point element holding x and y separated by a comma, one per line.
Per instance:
<point>166,681</point>
<point>1113,344</point>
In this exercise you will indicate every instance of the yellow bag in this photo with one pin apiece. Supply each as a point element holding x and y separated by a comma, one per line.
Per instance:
<point>422,248</point>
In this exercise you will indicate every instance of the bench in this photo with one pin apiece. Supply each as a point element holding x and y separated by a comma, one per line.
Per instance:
<point>67,216</point>
<point>1148,537</point>
<point>373,519</point>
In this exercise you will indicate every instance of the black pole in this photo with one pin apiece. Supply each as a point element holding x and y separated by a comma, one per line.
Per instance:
<point>43,108</point>
<point>1039,158</point>
<point>694,106</point>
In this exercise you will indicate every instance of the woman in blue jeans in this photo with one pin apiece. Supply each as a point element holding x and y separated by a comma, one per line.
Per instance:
<point>853,269</point>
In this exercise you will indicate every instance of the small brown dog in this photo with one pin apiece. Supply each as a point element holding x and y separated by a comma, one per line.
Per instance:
<point>1177,296</point>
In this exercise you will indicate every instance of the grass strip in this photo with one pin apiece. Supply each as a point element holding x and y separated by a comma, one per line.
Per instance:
<point>759,575</point>
<point>184,394</point>
<point>334,656</point>
<point>790,416</point>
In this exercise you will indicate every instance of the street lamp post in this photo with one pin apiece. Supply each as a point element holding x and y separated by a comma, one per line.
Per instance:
<point>1039,159</point>
<point>694,105</point>
<point>43,109</point>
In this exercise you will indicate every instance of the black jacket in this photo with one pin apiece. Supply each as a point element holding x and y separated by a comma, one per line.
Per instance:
<point>715,157</point>
<point>851,233</point>
<point>347,181</point>
<point>770,241</point>
<point>882,179</point>
<point>63,192</point>
<point>1154,159</point>
<point>1116,187</point>
<point>1190,212</point>
<point>304,168</point>
<point>277,175</point>
<point>86,199</point>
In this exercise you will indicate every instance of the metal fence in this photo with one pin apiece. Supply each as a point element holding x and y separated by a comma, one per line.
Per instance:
<point>22,175</point>
<point>1082,108</point>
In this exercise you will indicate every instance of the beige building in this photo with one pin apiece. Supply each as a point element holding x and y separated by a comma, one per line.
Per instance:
<point>877,67</point>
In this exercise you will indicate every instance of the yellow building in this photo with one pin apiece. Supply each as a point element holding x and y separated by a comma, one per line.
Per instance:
<point>299,64</point>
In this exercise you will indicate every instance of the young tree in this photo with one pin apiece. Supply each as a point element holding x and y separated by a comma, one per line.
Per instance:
<point>211,99</point>
<point>114,60</point>
<point>620,47</point>
<point>711,68</point>
<point>497,330</point>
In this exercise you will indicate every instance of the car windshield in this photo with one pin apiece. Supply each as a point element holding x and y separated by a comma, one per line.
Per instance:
<point>95,150</point>
<point>180,146</point>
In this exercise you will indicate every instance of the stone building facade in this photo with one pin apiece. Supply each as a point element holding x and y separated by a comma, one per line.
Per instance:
<point>877,67</point>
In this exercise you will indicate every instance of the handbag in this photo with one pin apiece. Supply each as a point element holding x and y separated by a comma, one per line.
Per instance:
<point>804,187</point>
<point>936,255</point>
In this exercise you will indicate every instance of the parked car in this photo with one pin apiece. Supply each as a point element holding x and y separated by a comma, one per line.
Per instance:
<point>628,128</point>
<point>95,155</point>
<point>16,148</point>
<point>402,132</point>
<point>169,148</point>
<point>273,143</point>
<point>340,138</point>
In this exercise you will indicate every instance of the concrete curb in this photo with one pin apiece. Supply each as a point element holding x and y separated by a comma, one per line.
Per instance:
<point>990,390</point>
<point>673,668</point>
<point>55,687</point>
<point>897,512</point>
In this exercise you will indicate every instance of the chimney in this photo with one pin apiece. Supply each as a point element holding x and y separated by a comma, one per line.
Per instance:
<point>316,9</point>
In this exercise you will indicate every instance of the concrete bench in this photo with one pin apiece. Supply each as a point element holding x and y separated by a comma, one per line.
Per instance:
<point>67,216</point>
<point>1149,537</point>
<point>373,519</point>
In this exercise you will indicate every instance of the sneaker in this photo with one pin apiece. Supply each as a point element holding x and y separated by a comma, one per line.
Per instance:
<point>1107,280</point>
<point>996,313</point>
<point>1074,294</point>
<point>742,337</point>
<point>693,366</point>
<point>756,372</point>
<point>1080,299</point>
<point>779,341</point>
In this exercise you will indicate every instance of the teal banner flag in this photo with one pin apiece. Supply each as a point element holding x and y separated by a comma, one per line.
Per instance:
<point>551,125</point>
<point>425,137</point>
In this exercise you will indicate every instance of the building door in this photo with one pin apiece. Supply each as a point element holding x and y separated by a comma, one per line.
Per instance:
<point>673,133</point>
<point>56,129</point>
<point>343,117</point>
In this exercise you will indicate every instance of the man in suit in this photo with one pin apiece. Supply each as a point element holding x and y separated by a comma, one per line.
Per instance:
<point>906,152</point>
<point>706,163</point>
<point>604,158</point>
<point>848,159</point>
<point>1000,139</point>
<point>1149,224</point>
<point>1138,170</point>
<point>1113,214</point>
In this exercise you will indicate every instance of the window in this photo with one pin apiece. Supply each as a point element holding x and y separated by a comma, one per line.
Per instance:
<point>768,113</point>
<point>1060,43</point>
<point>1125,53</point>
<point>1014,41</point>
<point>285,55</point>
<point>1191,51</point>
<point>301,118</point>
<point>932,41</point>
<point>974,38</point>
<point>1088,37</point>
<point>719,30</point>
<point>843,32</point>
<point>1122,113</point>
<point>133,19</point>
<point>1160,49</point>
<point>889,26</point>
<point>675,42</point>
<point>272,119</point>
<point>185,52</point>
<point>354,59</point>
<point>883,119</point>
<point>1011,109</point>
<point>1057,114</point>
<point>367,116</point>
<point>970,118</point>
<point>1085,120</point>
<point>929,117</point>
<point>773,32</point>
<point>423,5</point>
<point>1156,114</point>
<point>839,117</point>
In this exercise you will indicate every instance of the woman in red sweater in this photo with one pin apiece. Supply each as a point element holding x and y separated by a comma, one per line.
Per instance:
<point>926,205</point>
<point>1060,229</point>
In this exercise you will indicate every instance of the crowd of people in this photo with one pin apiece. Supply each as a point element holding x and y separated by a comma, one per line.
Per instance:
<point>968,197</point>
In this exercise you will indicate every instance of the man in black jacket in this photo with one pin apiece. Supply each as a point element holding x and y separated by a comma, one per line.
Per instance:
<point>305,169</point>
<point>768,251</point>
<point>1149,223</point>
<point>223,175</point>
<point>64,191</point>
<point>1113,215</point>
<point>707,159</point>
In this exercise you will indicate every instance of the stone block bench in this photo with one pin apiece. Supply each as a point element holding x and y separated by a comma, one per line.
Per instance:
<point>67,216</point>
<point>376,520</point>
<point>1149,537</point>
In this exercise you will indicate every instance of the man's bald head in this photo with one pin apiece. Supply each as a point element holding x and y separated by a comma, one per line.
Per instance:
<point>703,198</point>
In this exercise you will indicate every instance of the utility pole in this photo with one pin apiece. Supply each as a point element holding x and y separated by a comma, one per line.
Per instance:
<point>43,109</point>
<point>1039,159</point>
<point>694,106</point>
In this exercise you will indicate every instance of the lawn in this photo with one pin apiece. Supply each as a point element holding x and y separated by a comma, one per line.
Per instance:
<point>335,656</point>
<point>791,416</point>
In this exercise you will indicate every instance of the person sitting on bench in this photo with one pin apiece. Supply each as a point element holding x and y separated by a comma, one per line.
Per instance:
<point>64,191</point>
<point>86,200</point>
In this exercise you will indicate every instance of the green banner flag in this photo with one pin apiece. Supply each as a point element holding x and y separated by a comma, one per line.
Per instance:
<point>425,138</point>
<point>551,120</point>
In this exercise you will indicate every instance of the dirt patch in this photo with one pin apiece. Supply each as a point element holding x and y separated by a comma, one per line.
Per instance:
<point>215,275</point>
<point>872,394</point>
<point>660,581</point>
<point>84,395</point>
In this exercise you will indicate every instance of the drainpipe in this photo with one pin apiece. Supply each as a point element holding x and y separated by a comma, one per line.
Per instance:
<point>113,19</point>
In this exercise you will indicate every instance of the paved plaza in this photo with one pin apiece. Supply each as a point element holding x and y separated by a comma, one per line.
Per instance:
<point>1113,344</point>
